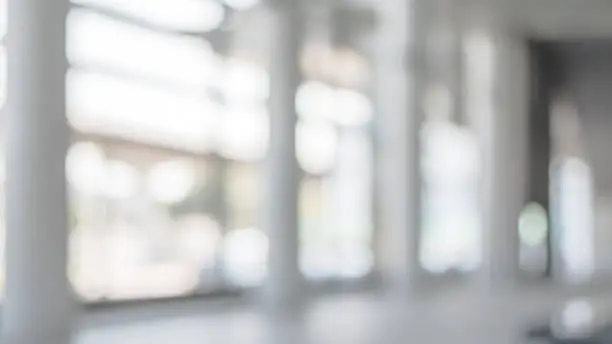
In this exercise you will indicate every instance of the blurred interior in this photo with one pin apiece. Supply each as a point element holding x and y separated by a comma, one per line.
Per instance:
<point>170,129</point>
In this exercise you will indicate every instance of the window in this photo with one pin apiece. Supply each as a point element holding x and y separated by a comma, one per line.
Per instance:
<point>574,190</point>
<point>169,135</point>
<point>103,104</point>
<point>245,245</point>
<point>97,41</point>
<point>575,203</point>
<point>347,221</point>
<point>334,151</point>
<point>164,172</point>
<point>145,224</point>
<point>451,187</point>
<point>186,15</point>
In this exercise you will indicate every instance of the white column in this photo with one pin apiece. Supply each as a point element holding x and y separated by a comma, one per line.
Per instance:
<point>38,307</point>
<point>399,73</point>
<point>284,278</point>
<point>505,158</point>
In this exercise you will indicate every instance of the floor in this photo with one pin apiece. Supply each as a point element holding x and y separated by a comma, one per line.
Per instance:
<point>364,318</point>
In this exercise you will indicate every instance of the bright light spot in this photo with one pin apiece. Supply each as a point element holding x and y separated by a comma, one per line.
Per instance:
<point>316,146</point>
<point>451,172</point>
<point>171,181</point>
<point>85,168</point>
<point>358,262</point>
<point>316,100</point>
<point>245,82</point>
<point>189,15</point>
<point>246,256</point>
<point>432,264</point>
<point>104,104</point>
<point>121,180</point>
<point>451,244</point>
<point>242,4</point>
<point>576,214</point>
<point>451,153</point>
<point>576,319</point>
<point>97,40</point>
<point>533,225</point>
<point>354,108</point>
<point>244,133</point>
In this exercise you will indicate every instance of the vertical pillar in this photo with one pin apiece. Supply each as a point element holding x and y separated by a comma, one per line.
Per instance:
<point>399,73</point>
<point>38,307</point>
<point>284,277</point>
<point>505,158</point>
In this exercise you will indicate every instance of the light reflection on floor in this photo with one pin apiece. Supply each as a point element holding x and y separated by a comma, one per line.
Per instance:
<point>352,319</point>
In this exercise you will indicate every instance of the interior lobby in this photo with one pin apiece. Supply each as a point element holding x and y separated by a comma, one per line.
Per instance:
<point>305,171</point>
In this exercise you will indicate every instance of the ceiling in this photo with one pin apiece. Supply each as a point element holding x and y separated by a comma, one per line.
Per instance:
<point>546,19</point>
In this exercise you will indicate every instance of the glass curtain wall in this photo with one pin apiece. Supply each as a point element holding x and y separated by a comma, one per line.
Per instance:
<point>170,128</point>
<point>167,101</point>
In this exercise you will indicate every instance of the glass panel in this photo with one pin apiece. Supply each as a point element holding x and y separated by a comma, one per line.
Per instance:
<point>336,213</point>
<point>245,82</point>
<point>135,234</point>
<point>246,245</point>
<point>103,104</point>
<point>244,133</point>
<point>94,39</point>
<point>3,17</point>
<point>345,107</point>
<point>316,239</point>
<point>316,146</point>
<point>574,190</point>
<point>315,100</point>
<point>354,108</point>
<point>192,15</point>
<point>350,194</point>
<point>451,172</point>
<point>246,256</point>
